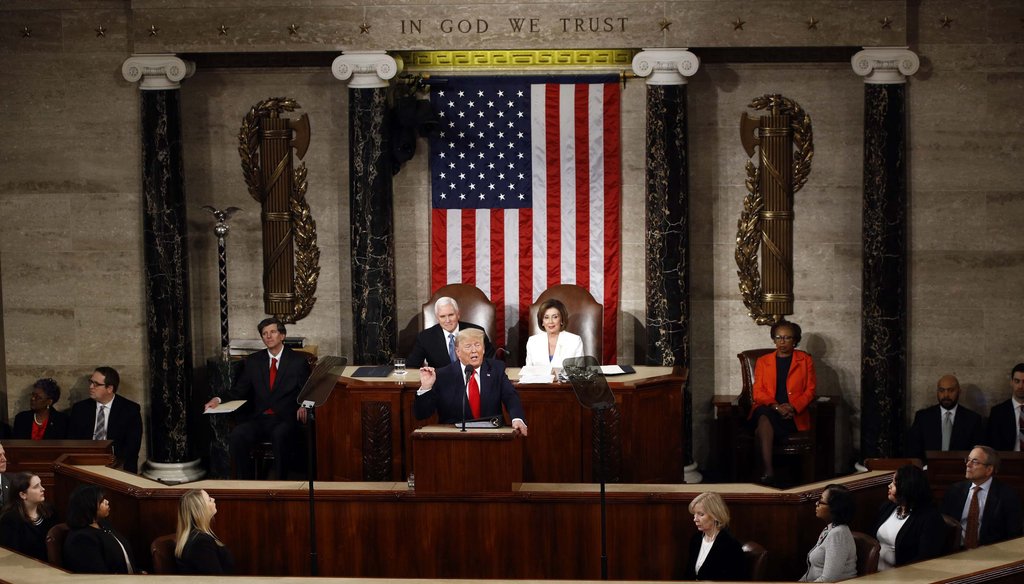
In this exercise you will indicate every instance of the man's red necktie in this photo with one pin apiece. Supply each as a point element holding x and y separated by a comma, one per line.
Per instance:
<point>273,372</point>
<point>474,396</point>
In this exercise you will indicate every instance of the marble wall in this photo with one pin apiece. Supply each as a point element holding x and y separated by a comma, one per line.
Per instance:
<point>70,216</point>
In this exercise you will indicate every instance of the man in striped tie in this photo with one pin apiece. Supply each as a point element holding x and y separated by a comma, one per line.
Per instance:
<point>270,382</point>
<point>109,416</point>
<point>435,345</point>
<point>1006,419</point>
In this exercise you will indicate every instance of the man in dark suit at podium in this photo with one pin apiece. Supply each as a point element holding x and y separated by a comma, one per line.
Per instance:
<point>108,416</point>
<point>946,425</point>
<point>474,385</point>
<point>435,345</point>
<point>1006,419</point>
<point>270,381</point>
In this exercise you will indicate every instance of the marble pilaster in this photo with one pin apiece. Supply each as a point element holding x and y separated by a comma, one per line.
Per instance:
<point>884,296</point>
<point>667,213</point>
<point>374,308</point>
<point>166,261</point>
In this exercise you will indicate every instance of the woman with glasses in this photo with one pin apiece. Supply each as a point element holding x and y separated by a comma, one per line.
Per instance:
<point>784,386</point>
<point>41,421</point>
<point>909,527</point>
<point>27,517</point>
<point>834,557</point>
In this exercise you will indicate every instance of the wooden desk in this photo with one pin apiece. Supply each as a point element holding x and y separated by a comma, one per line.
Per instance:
<point>474,461</point>
<point>38,456</point>
<point>536,531</point>
<point>365,428</point>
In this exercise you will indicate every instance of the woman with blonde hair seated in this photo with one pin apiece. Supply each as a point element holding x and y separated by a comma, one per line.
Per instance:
<point>714,553</point>
<point>553,344</point>
<point>197,550</point>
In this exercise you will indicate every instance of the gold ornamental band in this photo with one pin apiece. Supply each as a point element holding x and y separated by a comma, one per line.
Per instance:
<point>776,215</point>
<point>519,59</point>
<point>276,216</point>
<point>285,134</point>
<point>770,297</point>
<point>280,296</point>
<point>776,131</point>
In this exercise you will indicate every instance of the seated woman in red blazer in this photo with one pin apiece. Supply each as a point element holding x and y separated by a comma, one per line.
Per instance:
<point>784,385</point>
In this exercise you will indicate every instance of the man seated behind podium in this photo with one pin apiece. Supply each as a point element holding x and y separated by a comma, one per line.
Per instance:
<point>472,384</point>
<point>270,381</point>
<point>946,425</point>
<point>435,345</point>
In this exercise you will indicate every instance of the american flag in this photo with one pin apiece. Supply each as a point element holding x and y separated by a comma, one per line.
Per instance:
<point>526,190</point>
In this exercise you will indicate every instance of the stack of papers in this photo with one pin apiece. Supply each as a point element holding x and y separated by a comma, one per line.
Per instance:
<point>536,374</point>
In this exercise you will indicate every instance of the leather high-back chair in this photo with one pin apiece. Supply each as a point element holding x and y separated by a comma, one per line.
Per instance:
<point>162,551</point>
<point>55,544</point>
<point>757,559</point>
<point>798,443</point>
<point>474,307</point>
<point>868,549</point>
<point>586,316</point>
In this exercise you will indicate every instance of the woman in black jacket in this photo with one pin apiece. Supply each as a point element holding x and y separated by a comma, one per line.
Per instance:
<point>92,546</point>
<point>27,517</point>
<point>909,527</point>
<point>198,551</point>
<point>41,421</point>
<point>714,552</point>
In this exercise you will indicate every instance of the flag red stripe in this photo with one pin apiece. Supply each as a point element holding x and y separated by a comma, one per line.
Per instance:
<point>581,109</point>
<point>438,249</point>
<point>498,274</point>
<point>553,145</point>
<point>525,274</point>
<point>469,246</point>
<point>613,220</point>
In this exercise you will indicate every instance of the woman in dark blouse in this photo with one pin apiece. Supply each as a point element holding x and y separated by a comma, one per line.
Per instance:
<point>41,421</point>
<point>198,551</point>
<point>92,546</point>
<point>27,517</point>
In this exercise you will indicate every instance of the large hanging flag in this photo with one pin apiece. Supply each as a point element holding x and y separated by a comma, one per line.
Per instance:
<point>526,191</point>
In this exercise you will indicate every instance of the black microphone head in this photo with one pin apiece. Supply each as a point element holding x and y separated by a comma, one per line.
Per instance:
<point>469,370</point>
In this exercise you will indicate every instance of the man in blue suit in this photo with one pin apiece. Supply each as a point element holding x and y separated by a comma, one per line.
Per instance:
<point>474,385</point>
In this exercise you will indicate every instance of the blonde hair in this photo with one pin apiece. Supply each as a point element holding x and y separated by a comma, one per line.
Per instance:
<point>469,334</point>
<point>713,506</point>
<point>193,516</point>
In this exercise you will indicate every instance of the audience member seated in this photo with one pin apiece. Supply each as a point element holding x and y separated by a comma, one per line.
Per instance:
<point>554,344</point>
<point>946,425</point>
<point>27,517</point>
<point>5,483</point>
<point>784,387</point>
<point>909,528</point>
<point>197,549</point>
<point>1006,419</point>
<point>714,553</point>
<point>108,416</point>
<point>93,546</point>
<point>988,510</point>
<point>435,345</point>
<point>271,381</point>
<point>471,388</point>
<point>834,557</point>
<point>41,421</point>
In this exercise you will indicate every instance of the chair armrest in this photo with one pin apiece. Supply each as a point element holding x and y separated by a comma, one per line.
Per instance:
<point>724,405</point>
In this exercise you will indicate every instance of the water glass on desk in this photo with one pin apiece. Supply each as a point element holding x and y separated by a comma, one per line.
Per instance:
<point>399,366</point>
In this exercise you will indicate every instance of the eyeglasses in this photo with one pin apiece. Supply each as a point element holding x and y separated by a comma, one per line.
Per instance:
<point>93,383</point>
<point>782,338</point>
<point>821,503</point>
<point>974,462</point>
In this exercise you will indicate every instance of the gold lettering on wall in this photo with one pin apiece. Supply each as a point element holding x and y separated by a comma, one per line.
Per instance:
<point>585,25</point>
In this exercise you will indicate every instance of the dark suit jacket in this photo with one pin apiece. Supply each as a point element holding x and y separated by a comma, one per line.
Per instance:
<point>926,432</point>
<point>446,396</point>
<point>432,346</point>
<point>5,490</point>
<point>1001,519</point>
<point>124,427</point>
<point>23,536</point>
<point>1003,426</point>
<point>922,537</point>
<point>202,555</point>
<point>725,561</point>
<point>253,384</point>
<point>96,551</point>
<point>56,428</point>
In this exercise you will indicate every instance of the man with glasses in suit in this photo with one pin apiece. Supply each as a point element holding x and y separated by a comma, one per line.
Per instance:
<point>988,510</point>
<point>109,416</point>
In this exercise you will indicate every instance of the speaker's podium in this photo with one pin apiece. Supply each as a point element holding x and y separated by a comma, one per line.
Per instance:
<point>479,460</point>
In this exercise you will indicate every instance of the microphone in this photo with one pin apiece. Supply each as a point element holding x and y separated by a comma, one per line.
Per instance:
<point>465,391</point>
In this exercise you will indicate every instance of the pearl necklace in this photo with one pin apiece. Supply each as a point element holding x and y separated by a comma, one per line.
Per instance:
<point>35,418</point>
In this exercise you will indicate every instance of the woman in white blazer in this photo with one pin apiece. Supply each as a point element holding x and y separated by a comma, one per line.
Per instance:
<point>554,344</point>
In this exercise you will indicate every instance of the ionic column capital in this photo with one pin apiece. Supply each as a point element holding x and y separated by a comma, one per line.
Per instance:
<point>366,69</point>
<point>885,65</point>
<point>665,66</point>
<point>157,71</point>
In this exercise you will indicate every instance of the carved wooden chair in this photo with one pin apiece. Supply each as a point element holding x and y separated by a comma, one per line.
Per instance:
<point>757,559</point>
<point>586,316</point>
<point>162,551</point>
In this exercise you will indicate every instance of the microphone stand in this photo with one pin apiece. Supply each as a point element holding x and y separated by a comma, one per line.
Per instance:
<point>465,390</point>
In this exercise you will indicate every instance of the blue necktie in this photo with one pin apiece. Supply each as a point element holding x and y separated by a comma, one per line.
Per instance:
<point>451,347</point>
